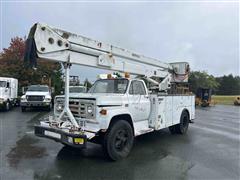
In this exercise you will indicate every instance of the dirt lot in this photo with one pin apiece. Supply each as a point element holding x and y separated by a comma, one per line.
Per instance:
<point>210,150</point>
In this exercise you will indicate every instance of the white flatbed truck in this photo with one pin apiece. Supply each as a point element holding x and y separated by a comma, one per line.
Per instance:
<point>115,110</point>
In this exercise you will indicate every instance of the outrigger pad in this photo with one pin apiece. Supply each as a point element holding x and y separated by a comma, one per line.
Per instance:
<point>30,55</point>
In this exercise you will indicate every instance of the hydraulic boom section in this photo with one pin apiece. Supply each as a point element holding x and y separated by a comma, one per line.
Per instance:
<point>48,43</point>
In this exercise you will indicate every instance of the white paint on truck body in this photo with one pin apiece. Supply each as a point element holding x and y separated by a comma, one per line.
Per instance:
<point>148,112</point>
<point>8,91</point>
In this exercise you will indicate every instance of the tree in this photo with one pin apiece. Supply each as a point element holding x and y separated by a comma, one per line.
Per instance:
<point>202,79</point>
<point>87,84</point>
<point>12,65</point>
<point>229,85</point>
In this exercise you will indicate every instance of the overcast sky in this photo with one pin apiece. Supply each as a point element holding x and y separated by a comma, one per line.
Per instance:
<point>204,34</point>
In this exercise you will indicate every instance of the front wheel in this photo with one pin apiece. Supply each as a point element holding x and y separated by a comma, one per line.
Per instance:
<point>118,141</point>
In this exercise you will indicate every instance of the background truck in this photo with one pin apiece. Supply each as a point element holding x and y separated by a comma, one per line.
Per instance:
<point>8,93</point>
<point>115,110</point>
<point>37,96</point>
<point>203,97</point>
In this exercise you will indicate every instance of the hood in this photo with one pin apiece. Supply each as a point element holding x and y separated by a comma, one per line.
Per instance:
<point>35,93</point>
<point>101,98</point>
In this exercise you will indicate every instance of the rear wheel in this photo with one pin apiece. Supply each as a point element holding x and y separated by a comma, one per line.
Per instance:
<point>118,141</point>
<point>182,127</point>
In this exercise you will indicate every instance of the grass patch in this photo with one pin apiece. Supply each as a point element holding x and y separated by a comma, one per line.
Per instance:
<point>228,100</point>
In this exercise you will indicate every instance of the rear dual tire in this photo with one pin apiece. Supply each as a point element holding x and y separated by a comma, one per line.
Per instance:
<point>118,140</point>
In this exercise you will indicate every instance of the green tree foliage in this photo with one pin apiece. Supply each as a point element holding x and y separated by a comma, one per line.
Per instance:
<point>12,65</point>
<point>200,79</point>
<point>229,85</point>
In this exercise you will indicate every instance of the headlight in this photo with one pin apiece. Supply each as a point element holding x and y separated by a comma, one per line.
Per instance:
<point>47,99</point>
<point>90,109</point>
<point>59,107</point>
<point>23,98</point>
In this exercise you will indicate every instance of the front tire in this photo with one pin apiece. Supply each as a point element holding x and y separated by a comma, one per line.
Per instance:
<point>118,141</point>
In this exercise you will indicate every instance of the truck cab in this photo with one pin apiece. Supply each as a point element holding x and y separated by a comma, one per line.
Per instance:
<point>114,96</point>
<point>8,92</point>
<point>37,96</point>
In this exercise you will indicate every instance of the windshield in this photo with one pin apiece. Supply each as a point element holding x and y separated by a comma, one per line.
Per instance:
<point>3,83</point>
<point>77,89</point>
<point>109,86</point>
<point>38,88</point>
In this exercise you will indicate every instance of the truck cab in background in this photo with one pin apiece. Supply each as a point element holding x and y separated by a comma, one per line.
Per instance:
<point>8,92</point>
<point>37,96</point>
<point>77,89</point>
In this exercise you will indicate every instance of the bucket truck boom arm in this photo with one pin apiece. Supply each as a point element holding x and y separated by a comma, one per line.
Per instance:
<point>48,43</point>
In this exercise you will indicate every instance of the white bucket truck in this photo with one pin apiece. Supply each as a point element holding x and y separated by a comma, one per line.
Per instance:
<point>8,92</point>
<point>115,110</point>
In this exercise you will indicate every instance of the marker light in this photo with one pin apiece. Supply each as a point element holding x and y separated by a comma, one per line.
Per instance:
<point>103,112</point>
<point>127,75</point>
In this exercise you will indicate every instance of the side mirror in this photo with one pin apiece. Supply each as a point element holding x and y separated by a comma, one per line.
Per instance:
<point>8,85</point>
<point>61,92</point>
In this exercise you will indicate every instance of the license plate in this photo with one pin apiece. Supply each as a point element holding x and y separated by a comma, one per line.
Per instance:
<point>78,140</point>
<point>52,134</point>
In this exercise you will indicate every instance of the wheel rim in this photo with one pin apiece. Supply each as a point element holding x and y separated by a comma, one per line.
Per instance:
<point>121,140</point>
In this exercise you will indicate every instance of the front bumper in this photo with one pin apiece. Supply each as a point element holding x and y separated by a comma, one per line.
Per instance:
<point>74,140</point>
<point>35,104</point>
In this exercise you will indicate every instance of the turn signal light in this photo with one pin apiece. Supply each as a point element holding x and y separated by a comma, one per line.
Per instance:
<point>109,76</point>
<point>103,112</point>
<point>127,75</point>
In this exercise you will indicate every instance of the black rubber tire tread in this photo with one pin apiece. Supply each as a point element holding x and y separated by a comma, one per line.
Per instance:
<point>182,127</point>
<point>110,136</point>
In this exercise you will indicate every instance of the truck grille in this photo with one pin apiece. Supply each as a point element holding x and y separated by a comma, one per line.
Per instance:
<point>35,98</point>
<point>78,108</point>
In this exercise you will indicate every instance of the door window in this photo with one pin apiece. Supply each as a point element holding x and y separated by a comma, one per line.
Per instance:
<point>137,87</point>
